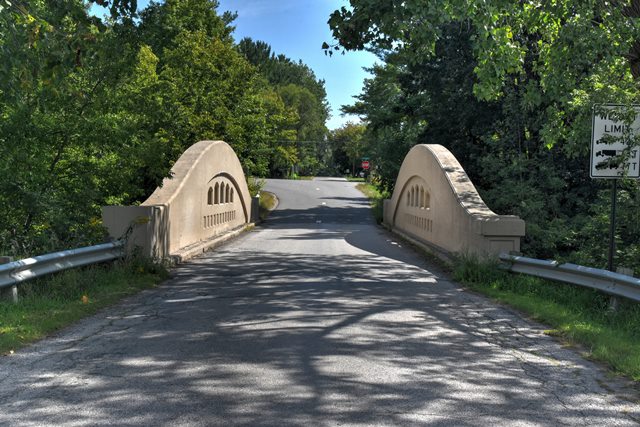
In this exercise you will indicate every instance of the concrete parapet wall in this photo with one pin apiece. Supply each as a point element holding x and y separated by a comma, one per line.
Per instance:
<point>205,197</point>
<point>145,227</point>
<point>435,202</point>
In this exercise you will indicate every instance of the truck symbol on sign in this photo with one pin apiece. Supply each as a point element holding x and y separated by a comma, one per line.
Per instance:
<point>608,153</point>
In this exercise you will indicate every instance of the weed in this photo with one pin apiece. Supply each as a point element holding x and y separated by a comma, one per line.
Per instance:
<point>255,185</point>
<point>53,302</point>
<point>268,202</point>
<point>576,314</point>
<point>376,198</point>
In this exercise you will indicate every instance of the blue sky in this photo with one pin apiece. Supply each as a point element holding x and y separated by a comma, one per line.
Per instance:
<point>297,29</point>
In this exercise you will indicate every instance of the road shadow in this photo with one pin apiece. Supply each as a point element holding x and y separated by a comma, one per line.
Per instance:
<point>248,338</point>
<point>355,226</point>
<point>320,214</point>
<point>329,179</point>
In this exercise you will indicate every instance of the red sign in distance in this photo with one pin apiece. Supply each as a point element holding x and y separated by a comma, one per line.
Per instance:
<point>365,164</point>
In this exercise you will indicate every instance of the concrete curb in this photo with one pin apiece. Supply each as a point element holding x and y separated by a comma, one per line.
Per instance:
<point>439,253</point>
<point>199,248</point>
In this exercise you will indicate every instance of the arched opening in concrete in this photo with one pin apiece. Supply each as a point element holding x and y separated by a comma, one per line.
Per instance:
<point>435,203</point>
<point>184,215</point>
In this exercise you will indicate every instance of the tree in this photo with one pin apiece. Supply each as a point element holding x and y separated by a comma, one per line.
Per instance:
<point>210,91</point>
<point>509,88</point>
<point>54,92</point>
<point>390,129</point>
<point>305,97</point>
<point>82,98</point>
<point>560,52</point>
<point>162,23</point>
<point>257,53</point>
<point>348,142</point>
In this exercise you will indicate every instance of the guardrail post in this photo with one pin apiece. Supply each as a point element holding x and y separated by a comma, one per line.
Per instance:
<point>614,301</point>
<point>11,293</point>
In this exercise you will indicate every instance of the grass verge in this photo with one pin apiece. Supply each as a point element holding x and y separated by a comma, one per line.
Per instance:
<point>355,179</point>
<point>268,202</point>
<point>577,315</point>
<point>376,198</point>
<point>48,304</point>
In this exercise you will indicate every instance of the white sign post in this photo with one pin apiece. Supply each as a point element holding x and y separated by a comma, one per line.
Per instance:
<point>612,157</point>
<point>604,151</point>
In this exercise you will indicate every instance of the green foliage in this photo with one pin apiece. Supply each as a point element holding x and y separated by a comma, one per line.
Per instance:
<point>302,150</point>
<point>559,42</point>
<point>579,315</point>
<point>280,70</point>
<point>563,57</point>
<point>591,235</point>
<point>310,127</point>
<point>162,22</point>
<point>523,138</point>
<point>268,202</point>
<point>348,146</point>
<point>58,133</point>
<point>376,198</point>
<point>119,7</point>
<point>255,185</point>
<point>391,130</point>
<point>96,112</point>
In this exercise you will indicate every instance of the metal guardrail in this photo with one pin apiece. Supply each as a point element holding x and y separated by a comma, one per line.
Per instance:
<point>606,281</point>
<point>22,270</point>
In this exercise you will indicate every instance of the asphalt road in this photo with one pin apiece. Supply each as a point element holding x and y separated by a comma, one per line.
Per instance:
<point>316,318</point>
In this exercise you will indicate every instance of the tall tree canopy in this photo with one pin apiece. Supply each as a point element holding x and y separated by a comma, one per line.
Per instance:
<point>96,112</point>
<point>509,87</point>
<point>348,146</point>
<point>305,96</point>
<point>558,53</point>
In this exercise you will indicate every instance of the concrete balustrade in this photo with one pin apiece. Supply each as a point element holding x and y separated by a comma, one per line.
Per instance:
<point>435,203</point>
<point>205,198</point>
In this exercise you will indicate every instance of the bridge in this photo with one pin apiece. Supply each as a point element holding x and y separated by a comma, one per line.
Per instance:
<point>317,317</point>
<point>434,204</point>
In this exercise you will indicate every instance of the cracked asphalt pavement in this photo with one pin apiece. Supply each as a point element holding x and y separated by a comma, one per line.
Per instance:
<point>316,318</point>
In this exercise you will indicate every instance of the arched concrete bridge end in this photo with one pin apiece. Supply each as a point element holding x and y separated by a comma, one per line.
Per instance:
<point>436,204</point>
<point>205,200</point>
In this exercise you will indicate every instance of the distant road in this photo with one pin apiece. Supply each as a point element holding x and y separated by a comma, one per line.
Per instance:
<point>316,318</point>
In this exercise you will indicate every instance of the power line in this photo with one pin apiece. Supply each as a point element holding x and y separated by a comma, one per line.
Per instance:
<point>301,142</point>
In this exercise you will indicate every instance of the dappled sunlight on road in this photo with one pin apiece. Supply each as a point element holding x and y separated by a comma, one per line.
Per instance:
<point>263,346</point>
<point>307,323</point>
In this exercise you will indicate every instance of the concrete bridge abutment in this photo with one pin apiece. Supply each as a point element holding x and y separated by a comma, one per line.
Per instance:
<point>435,203</point>
<point>205,200</point>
